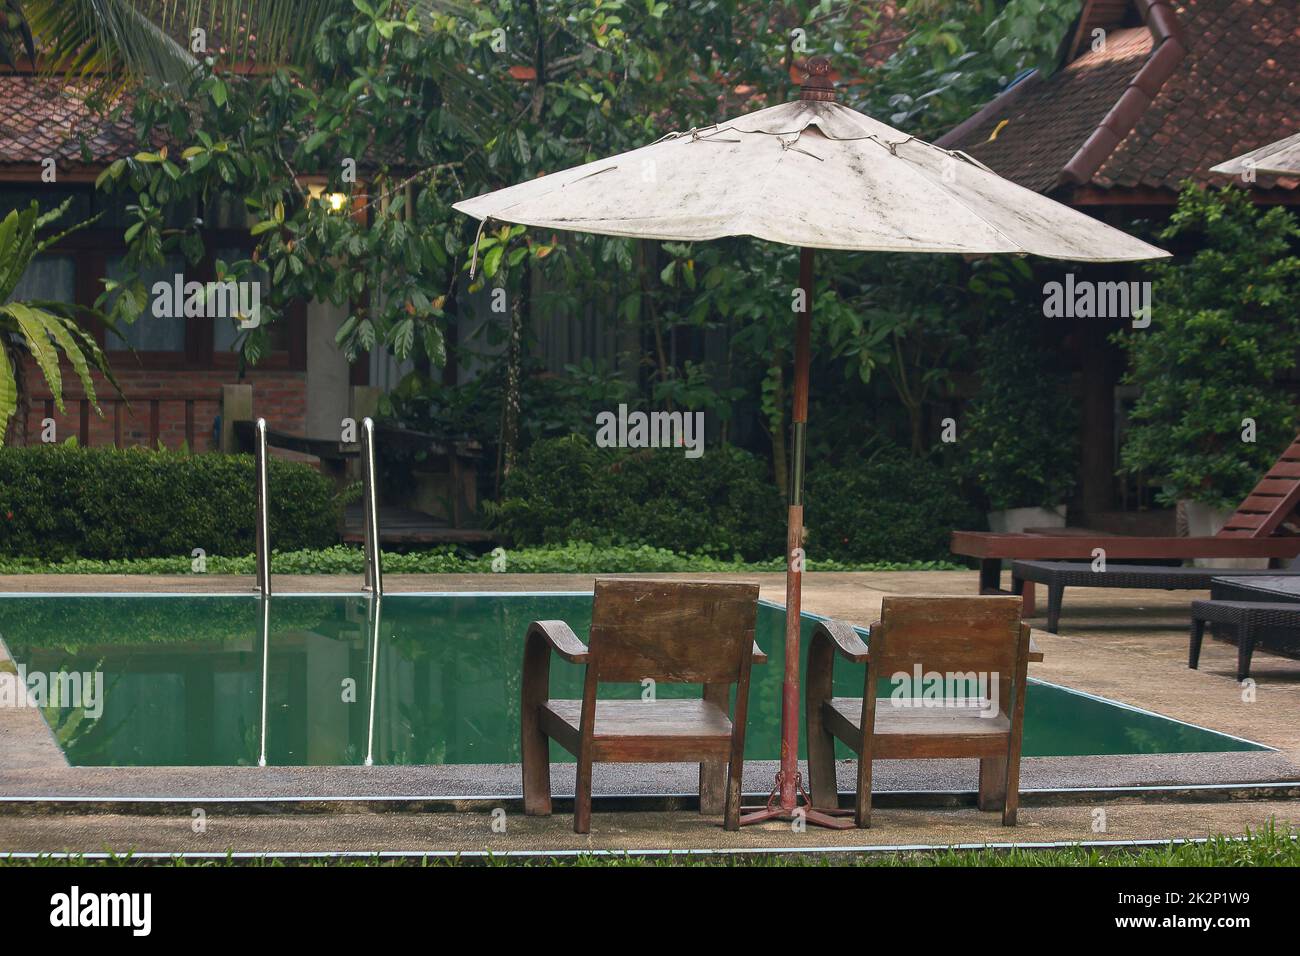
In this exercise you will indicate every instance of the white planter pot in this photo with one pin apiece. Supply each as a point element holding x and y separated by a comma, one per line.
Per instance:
<point>1018,519</point>
<point>1202,521</point>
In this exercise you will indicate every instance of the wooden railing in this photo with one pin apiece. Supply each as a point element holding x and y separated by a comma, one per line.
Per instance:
<point>121,414</point>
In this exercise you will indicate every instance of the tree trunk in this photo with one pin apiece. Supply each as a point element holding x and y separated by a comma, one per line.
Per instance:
<point>511,402</point>
<point>776,429</point>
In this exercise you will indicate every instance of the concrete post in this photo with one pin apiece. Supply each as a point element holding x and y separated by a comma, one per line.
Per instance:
<point>236,406</point>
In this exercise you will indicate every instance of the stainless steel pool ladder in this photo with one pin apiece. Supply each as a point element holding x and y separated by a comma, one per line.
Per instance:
<point>374,582</point>
<point>263,502</point>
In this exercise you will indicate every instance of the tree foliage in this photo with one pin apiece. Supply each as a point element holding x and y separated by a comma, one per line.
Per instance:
<point>1212,414</point>
<point>43,330</point>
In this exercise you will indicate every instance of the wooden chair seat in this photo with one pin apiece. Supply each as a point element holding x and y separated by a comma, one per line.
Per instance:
<point>960,726</point>
<point>633,730</point>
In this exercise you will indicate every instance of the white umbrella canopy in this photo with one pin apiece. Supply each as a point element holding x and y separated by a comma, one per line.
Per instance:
<point>818,175</point>
<point>1276,159</point>
<point>814,174</point>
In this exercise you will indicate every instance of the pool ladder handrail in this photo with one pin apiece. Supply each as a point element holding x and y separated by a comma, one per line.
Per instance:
<point>374,580</point>
<point>263,502</point>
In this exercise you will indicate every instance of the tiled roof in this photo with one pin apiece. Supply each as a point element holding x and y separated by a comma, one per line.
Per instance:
<point>1237,87</point>
<point>42,117</point>
<point>1047,123</point>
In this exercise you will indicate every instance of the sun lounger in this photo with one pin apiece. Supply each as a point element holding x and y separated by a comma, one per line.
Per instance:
<point>1266,525</point>
<point>1058,575</point>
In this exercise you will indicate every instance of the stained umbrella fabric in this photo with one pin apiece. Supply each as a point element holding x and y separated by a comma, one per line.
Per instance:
<point>813,174</point>
<point>1276,159</point>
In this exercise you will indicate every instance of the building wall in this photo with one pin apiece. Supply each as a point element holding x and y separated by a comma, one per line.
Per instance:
<point>278,395</point>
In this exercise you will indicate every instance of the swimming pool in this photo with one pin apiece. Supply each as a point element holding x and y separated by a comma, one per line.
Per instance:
<point>188,680</point>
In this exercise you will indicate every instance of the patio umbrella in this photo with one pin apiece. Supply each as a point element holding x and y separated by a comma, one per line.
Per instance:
<point>1276,159</point>
<point>815,174</point>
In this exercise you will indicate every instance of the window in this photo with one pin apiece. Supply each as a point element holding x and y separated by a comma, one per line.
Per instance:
<point>226,334</point>
<point>150,333</point>
<point>52,278</point>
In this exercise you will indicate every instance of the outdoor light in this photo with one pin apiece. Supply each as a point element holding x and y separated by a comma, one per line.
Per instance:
<point>315,186</point>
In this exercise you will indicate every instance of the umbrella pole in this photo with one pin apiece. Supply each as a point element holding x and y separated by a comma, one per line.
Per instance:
<point>783,803</point>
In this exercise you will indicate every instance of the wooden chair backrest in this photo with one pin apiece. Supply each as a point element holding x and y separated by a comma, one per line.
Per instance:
<point>948,634</point>
<point>672,631</point>
<point>1272,508</point>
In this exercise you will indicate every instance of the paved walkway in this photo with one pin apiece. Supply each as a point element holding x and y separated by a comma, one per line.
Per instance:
<point>1128,646</point>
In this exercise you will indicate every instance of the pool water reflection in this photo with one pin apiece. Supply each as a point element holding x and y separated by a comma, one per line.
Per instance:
<point>420,679</point>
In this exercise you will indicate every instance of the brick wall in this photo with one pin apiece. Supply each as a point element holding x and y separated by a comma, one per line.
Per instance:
<point>280,396</point>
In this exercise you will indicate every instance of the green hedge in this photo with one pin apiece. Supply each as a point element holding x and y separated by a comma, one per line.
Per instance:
<point>890,508</point>
<point>61,501</point>
<point>574,558</point>
<point>567,489</point>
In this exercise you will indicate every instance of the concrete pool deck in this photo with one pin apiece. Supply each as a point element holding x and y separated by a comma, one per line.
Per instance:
<point>1127,646</point>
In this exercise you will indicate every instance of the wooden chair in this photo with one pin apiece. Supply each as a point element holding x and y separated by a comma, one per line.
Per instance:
<point>671,632</point>
<point>945,635</point>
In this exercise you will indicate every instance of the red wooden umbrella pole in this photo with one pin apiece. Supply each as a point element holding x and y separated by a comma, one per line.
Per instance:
<point>784,801</point>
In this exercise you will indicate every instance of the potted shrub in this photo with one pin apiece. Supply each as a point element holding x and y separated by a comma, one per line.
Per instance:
<point>1213,414</point>
<point>1019,438</point>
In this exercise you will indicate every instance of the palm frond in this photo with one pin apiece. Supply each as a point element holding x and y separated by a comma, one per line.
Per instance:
<point>31,323</point>
<point>8,388</point>
<point>15,21</point>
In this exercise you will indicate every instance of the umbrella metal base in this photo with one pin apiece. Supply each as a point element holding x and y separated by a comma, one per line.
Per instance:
<point>802,809</point>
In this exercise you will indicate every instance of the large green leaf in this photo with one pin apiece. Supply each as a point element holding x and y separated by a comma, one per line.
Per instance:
<point>33,325</point>
<point>8,391</point>
<point>58,328</point>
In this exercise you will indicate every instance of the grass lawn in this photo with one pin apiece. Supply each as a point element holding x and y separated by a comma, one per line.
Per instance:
<point>1266,847</point>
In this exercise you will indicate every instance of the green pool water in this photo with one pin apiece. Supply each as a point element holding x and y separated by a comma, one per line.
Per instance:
<point>186,680</point>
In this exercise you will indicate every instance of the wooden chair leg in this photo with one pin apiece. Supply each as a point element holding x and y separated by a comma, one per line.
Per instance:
<point>823,788</point>
<point>1055,597</point>
<point>536,759</point>
<point>735,780</point>
<point>582,795</point>
<point>713,774</point>
<point>862,802</point>
<point>534,748</point>
<point>1194,643</point>
<point>993,781</point>
<point>713,787</point>
<point>1245,648</point>
<point>1011,785</point>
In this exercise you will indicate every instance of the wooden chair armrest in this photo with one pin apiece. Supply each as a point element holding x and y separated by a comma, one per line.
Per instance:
<point>562,640</point>
<point>844,639</point>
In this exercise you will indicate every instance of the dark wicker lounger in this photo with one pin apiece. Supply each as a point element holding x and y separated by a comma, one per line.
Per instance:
<point>1263,609</point>
<point>1058,575</point>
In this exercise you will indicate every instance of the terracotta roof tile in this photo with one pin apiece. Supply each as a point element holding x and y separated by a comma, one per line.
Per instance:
<point>1048,123</point>
<point>1237,88</point>
<point>41,117</point>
